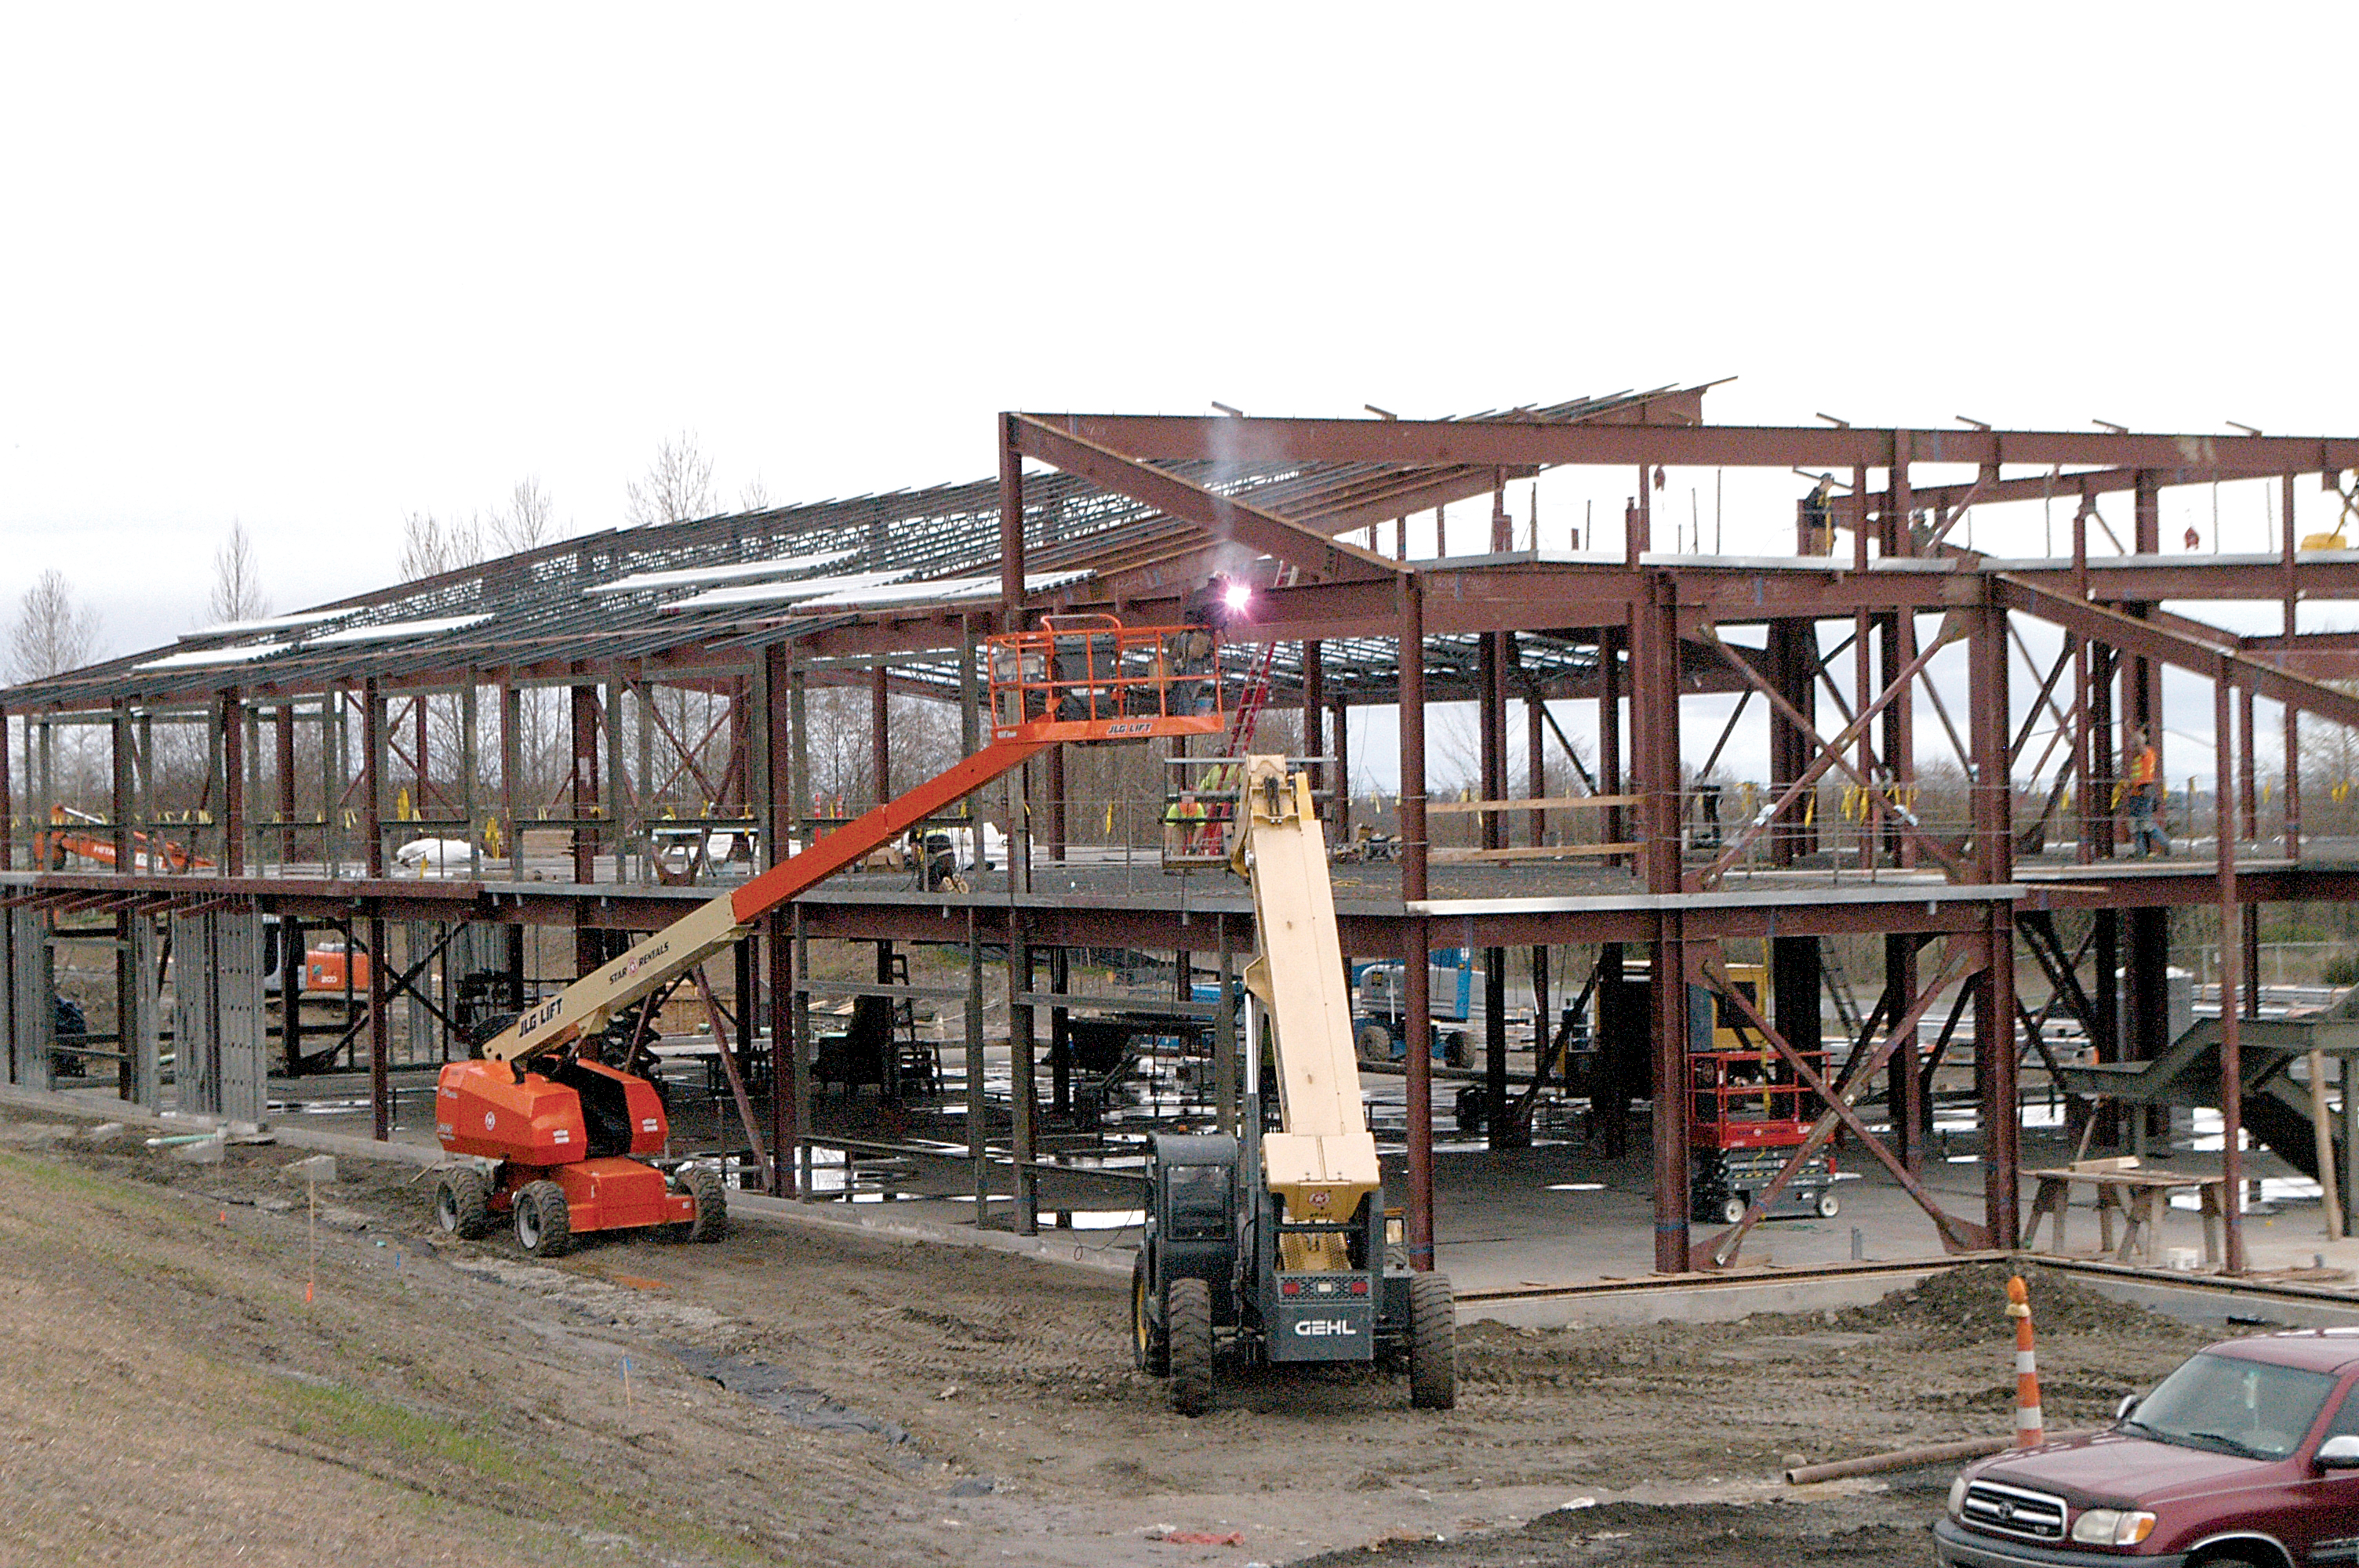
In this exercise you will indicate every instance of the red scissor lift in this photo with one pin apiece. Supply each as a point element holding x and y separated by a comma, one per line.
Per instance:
<point>1747,1113</point>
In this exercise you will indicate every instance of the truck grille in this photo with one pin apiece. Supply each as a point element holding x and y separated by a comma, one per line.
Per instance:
<point>2011,1511</point>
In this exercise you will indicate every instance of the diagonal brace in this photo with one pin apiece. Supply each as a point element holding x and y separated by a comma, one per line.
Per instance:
<point>1829,756</point>
<point>1962,1235</point>
<point>1956,1234</point>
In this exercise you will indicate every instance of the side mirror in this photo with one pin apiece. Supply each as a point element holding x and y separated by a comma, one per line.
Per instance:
<point>2339,1454</point>
<point>2122,1410</point>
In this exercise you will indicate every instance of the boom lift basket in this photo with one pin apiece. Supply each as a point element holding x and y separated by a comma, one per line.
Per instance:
<point>1089,677</point>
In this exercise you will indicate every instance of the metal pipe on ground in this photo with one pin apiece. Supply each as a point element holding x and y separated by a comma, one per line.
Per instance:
<point>1899,1459</point>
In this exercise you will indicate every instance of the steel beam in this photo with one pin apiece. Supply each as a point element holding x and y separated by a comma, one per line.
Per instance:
<point>1507,442</point>
<point>2146,641</point>
<point>1225,517</point>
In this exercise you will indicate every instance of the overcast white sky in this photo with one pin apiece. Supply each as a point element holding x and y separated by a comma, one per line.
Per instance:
<point>315,268</point>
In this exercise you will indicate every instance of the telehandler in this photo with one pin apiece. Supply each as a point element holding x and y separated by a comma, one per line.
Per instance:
<point>1271,1245</point>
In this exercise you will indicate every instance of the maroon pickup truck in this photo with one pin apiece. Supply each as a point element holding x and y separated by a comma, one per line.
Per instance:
<point>2247,1454</point>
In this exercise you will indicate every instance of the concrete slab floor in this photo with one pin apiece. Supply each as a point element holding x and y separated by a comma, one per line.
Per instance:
<point>1558,1213</point>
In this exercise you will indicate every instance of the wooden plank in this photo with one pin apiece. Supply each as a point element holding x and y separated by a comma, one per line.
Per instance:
<point>1541,852</point>
<point>1552,803</point>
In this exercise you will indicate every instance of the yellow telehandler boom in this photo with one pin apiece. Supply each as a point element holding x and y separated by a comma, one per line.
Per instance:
<point>1273,1242</point>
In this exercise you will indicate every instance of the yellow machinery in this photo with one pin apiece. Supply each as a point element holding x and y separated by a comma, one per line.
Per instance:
<point>1270,1244</point>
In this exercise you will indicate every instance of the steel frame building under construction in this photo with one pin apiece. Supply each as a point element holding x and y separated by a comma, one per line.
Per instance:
<point>272,769</point>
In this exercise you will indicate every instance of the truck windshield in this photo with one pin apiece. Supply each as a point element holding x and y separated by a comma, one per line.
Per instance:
<point>2234,1406</point>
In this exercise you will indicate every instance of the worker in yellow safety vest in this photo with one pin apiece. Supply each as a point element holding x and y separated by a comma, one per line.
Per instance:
<point>2143,798</point>
<point>1183,824</point>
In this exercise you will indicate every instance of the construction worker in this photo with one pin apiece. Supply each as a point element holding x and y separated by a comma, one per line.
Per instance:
<point>1183,823</point>
<point>1188,656</point>
<point>1818,536</point>
<point>2143,798</point>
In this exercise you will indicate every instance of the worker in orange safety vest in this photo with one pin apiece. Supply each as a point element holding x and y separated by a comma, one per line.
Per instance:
<point>2144,798</point>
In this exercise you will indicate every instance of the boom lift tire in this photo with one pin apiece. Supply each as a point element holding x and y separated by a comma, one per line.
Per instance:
<point>1188,1319</point>
<point>710,1196</point>
<point>1433,1344</point>
<point>544,1226</point>
<point>1150,1349</point>
<point>462,1203</point>
<point>1375,1042</point>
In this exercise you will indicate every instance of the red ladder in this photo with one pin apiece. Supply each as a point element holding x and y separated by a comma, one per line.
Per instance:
<point>1255,696</point>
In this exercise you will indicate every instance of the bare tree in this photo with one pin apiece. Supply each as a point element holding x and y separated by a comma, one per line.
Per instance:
<point>430,547</point>
<point>678,485</point>
<point>2330,764</point>
<point>527,522</point>
<point>756,495</point>
<point>52,634</point>
<point>237,580</point>
<point>923,736</point>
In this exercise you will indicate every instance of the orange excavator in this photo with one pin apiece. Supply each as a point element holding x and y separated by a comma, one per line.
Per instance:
<point>572,1141</point>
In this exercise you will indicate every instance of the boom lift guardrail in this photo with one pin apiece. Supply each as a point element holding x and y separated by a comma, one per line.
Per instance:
<point>573,1137</point>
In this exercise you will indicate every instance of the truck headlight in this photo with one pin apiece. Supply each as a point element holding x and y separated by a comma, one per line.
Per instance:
<point>2112,1526</point>
<point>1958,1495</point>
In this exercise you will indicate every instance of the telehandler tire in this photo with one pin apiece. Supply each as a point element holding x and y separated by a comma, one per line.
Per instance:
<point>1150,1349</point>
<point>544,1221</point>
<point>462,1203</point>
<point>1188,1321</point>
<point>712,1198</point>
<point>1433,1344</point>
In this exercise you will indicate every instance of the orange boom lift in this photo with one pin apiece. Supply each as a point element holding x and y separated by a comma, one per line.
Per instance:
<point>574,1138</point>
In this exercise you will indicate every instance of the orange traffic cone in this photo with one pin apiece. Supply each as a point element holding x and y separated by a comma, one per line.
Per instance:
<point>2028,1424</point>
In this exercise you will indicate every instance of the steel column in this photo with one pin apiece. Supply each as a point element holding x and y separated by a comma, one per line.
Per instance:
<point>1343,741</point>
<point>2232,956</point>
<point>588,953</point>
<point>583,731</point>
<point>373,780</point>
<point>1011,526</point>
<point>1505,1132</point>
<point>1793,659</point>
<point>1023,1140</point>
<point>1655,647</point>
<point>380,1032</point>
<point>1417,1028</point>
<point>1989,724</point>
<point>1314,713</point>
<point>1417,1006</point>
<point>284,724</point>
<point>233,737</point>
<point>880,734</point>
<point>512,774</point>
<point>770,784</point>
<point>2289,618</point>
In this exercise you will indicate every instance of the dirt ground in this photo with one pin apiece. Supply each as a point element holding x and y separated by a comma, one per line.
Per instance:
<point>168,1395</point>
